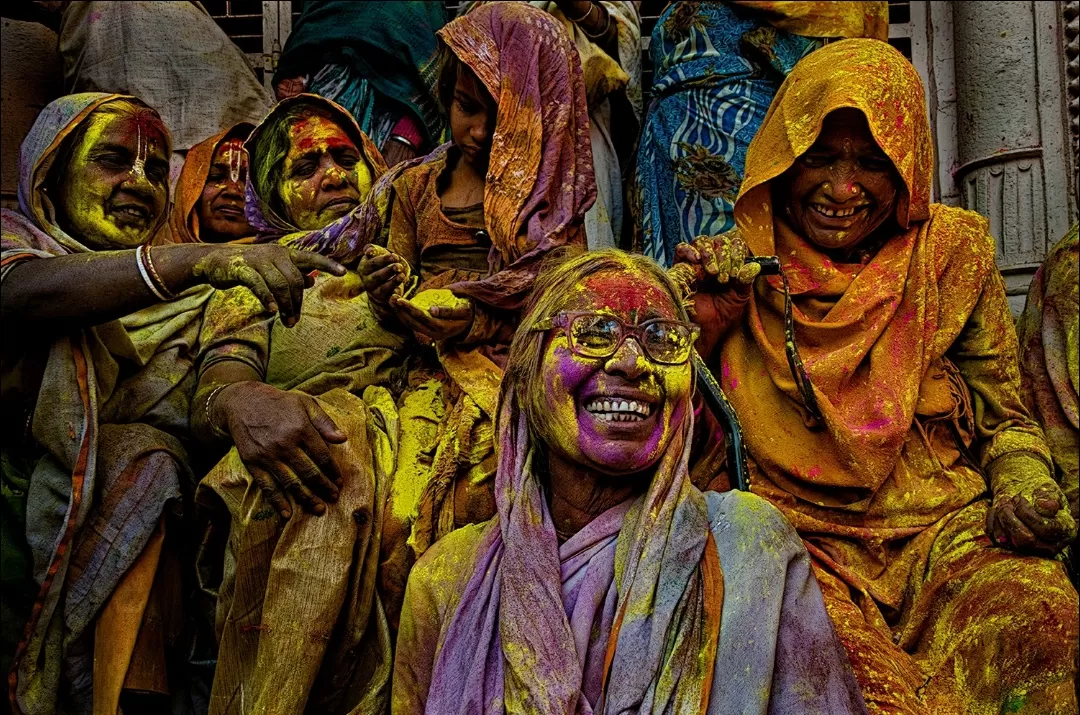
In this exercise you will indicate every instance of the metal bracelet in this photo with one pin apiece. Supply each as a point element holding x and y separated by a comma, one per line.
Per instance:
<point>602,33</point>
<point>155,275</point>
<point>140,261</point>
<point>592,6</point>
<point>402,140</point>
<point>218,431</point>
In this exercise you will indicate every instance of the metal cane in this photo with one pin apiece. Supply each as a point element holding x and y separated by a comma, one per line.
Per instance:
<point>717,401</point>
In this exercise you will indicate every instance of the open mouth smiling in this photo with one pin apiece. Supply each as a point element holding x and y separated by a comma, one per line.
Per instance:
<point>618,410</point>
<point>131,213</point>
<point>839,213</point>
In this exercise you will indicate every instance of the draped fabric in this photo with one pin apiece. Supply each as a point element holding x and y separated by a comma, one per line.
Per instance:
<point>109,413</point>
<point>273,595</point>
<point>612,89</point>
<point>172,55</point>
<point>911,354</point>
<point>183,226</point>
<point>1049,364</point>
<point>631,614</point>
<point>540,176</point>
<point>376,60</point>
<point>717,67</point>
<point>1049,331</point>
<point>538,187</point>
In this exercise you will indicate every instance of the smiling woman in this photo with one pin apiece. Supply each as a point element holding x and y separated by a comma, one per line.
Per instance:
<point>98,358</point>
<point>607,582</point>
<point>900,449</point>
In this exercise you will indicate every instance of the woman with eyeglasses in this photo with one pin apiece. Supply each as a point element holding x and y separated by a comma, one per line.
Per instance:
<point>607,582</point>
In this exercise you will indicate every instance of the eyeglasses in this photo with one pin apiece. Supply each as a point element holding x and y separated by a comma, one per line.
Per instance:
<point>599,335</point>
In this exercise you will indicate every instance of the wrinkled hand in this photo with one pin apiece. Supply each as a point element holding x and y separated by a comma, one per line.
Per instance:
<point>719,261</point>
<point>724,282</point>
<point>275,274</point>
<point>438,323</point>
<point>283,439</point>
<point>1029,512</point>
<point>381,273</point>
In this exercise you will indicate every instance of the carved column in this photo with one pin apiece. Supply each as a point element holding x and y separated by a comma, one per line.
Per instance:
<point>1070,12</point>
<point>1012,130</point>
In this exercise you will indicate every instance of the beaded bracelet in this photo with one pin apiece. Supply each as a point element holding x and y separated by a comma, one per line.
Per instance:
<point>140,261</point>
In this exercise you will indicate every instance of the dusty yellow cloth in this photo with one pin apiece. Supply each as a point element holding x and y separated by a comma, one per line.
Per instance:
<point>913,360</point>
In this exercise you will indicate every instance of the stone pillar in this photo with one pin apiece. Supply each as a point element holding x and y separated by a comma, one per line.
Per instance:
<point>1012,130</point>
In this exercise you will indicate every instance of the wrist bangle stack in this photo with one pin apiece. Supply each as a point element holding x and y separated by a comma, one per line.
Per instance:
<point>402,140</point>
<point>206,408</point>
<point>150,275</point>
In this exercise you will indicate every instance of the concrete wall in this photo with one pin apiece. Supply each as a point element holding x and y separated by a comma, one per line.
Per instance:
<point>31,78</point>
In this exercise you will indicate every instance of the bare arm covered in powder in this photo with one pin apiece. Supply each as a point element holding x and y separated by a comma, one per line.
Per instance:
<point>83,290</point>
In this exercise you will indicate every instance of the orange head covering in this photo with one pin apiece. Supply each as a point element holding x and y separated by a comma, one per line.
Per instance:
<point>868,75</point>
<point>867,332</point>
<point>183,224</point>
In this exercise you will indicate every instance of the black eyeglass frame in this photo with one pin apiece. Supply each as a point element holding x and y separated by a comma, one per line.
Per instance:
<point>565,320</point>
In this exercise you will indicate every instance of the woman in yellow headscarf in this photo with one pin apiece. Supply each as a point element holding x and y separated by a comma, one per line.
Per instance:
<point>898,446</point>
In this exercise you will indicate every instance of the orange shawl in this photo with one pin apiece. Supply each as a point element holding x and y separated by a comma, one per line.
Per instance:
<point>183,226</point>
<point>888,320</point>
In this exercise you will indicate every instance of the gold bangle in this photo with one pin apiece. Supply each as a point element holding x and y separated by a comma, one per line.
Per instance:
<point>154,274</point>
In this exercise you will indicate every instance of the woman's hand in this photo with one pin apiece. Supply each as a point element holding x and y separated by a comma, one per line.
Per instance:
<point>1029,512</point>
<point>283,439</point>
<point>723,281</point>
<point>381,273</point>
<point>275,274</point>
<point>437,323</point>
<point>719,262</point>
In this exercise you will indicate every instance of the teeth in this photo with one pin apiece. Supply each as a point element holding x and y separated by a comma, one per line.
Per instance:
<point>619,410</point>
<point>842,213</point>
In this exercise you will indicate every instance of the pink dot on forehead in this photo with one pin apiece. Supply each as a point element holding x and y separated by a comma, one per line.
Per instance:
<point>629,290</point>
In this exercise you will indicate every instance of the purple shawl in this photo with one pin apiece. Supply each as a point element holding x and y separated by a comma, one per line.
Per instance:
<point>640,602</point>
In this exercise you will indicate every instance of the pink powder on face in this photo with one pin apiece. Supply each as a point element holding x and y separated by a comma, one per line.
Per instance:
<point>619,292</point>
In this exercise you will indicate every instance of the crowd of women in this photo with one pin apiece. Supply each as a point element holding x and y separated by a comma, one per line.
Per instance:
<point>389,402</point>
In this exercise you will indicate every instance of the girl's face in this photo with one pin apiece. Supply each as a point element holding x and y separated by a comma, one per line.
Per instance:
<point>472,119</point>
<point>114,188</point>
<point>221,206</point>
<point>322,173</point>
<point>843,187</point>
<point>615,415</point>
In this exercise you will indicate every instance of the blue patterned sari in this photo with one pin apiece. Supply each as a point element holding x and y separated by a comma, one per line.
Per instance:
<point>717,69</point>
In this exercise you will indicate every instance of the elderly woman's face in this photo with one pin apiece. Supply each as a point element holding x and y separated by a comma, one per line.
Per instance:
<point>615,415</point>
<point>221,205</point>
<point>844,187</point>
<point>322,173</point>
<point>115,186</point>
